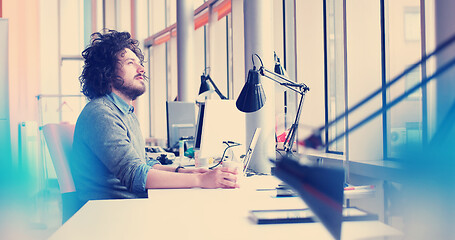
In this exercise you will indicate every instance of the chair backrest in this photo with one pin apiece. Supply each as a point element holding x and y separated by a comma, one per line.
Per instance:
<point>59,139</point>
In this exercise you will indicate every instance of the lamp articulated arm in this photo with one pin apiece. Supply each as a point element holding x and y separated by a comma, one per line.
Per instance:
<point>216,88</point>
<point>252,96</point>
<point>299,88</point>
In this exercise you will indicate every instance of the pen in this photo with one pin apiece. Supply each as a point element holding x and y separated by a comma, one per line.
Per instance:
<point>359,187</point>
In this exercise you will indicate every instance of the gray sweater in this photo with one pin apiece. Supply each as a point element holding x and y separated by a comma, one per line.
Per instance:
<point>109,158</point>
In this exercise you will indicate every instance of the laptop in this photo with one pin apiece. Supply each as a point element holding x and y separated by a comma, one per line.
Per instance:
<point>250,150</point>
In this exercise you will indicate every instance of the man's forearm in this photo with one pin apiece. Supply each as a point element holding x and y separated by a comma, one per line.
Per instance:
<point>157,178</point>
<point>165,167</point>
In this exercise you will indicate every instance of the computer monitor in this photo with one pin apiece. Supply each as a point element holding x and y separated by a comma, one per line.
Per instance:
<point>199,123</point>
<point>250,150</point>
<point>181,118</point>
<point>219,121</point>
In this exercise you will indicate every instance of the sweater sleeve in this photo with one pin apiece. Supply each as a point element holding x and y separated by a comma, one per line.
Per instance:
<point>140,178</point>
<point>110,139</point>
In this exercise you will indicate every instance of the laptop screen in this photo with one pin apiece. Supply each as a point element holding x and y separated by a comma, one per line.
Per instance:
<point>250,149</point>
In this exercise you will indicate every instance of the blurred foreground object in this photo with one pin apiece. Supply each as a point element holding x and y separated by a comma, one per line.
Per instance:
<point>321,189</point>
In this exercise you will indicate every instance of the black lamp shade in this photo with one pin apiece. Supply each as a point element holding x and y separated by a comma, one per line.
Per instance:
<point>205,86</point>
<point>279,69</point>
<point>252,96</point>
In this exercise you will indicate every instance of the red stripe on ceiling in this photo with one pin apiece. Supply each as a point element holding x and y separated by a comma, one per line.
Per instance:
<point>163,39</point>
<point>150,40</point>
<point>224,9</point>
<point>201,20</point>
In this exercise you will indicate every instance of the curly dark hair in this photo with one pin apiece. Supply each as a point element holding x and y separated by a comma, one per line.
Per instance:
<point>98,74</point>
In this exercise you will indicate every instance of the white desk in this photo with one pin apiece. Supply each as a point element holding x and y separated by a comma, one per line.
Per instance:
<point>202,214</point>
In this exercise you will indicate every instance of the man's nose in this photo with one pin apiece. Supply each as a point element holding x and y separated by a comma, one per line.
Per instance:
<point>141,69</point>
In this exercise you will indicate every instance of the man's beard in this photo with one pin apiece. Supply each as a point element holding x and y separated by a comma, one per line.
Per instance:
<point>129,90</point>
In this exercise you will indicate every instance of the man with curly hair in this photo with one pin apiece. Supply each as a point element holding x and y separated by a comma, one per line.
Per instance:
<point>109,150</point>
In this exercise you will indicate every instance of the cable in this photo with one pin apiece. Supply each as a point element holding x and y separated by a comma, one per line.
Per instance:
<point>224,152</point>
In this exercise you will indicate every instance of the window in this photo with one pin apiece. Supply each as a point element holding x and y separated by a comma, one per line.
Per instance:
<point>63,26</point>
<point>158,59</point>
<point>403,49</point>
<point>309,63</point>
<point>218,53</point>
<point>364,76</point>
<point>335,73</point>
<point>353,66</point>
<point>363,64</point>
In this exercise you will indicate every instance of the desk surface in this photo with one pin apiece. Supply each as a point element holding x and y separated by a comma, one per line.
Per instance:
<point>202,214</point>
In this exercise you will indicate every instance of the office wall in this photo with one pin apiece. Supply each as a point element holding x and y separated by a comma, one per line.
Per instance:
<point>24,63</point>
<point>5,141</point>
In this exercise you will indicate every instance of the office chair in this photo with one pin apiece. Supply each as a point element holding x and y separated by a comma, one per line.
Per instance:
<point>59,140</point>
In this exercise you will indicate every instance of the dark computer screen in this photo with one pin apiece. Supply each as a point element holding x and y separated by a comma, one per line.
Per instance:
<point>219,121</point>
<point>180,121</point>
<point>199,123</point>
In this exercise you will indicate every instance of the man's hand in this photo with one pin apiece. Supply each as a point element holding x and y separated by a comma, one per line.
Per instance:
<point>219,178</point>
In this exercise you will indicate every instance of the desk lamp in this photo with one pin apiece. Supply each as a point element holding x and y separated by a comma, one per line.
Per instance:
<point>252,97</point>
<point>278,67</point>
<point>320,188</point>
<point>208,86</point>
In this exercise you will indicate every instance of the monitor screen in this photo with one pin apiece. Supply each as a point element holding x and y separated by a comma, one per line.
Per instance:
<point>219,121</point>
<point>200,121</point>
<point>181,117</point>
